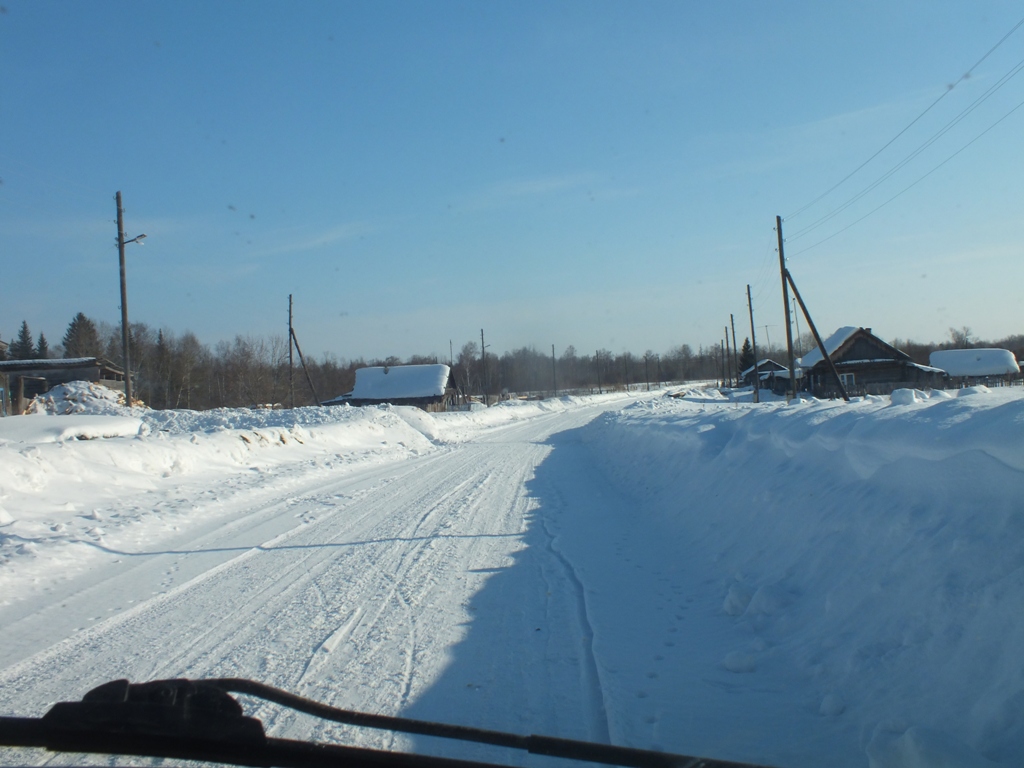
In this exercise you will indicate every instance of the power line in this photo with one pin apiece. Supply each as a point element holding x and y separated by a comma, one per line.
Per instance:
<point>927,109</point>
<point>919,180</point>
<point>1017,68</point>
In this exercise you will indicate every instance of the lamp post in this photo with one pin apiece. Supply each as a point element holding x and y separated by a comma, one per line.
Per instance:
<point>121,242</point>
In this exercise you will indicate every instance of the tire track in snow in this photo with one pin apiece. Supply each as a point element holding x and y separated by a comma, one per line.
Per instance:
<point>590,672</point>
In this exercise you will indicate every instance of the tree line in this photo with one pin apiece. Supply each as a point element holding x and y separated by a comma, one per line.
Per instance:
<point>179,371</point>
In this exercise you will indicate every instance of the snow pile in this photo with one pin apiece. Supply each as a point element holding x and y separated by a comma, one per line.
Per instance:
<point>79,397</point>
<point>869,559</point>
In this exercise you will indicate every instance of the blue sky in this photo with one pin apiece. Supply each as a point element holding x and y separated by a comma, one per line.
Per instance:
<point>590,173</point>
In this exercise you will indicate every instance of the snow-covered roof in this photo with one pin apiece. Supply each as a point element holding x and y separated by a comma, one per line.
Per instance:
<point>760,365</point>
<point>832,343</point>
<point>975,362</point>
<point>399,382</point>
<point>57,362</point>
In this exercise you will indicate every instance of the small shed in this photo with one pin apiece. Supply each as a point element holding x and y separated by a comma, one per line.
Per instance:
<point>971,366</point>
<point>424,386</point>
<point>866,366</point>
<point>24,379</point>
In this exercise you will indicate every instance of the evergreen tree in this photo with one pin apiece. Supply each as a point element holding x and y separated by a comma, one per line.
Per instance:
<point>42,348</point>
<point>22,347</point>
<point>746,355</point>
<point>82,339</point>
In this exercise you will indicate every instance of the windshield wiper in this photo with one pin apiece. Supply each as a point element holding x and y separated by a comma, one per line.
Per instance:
<point>199,720</point>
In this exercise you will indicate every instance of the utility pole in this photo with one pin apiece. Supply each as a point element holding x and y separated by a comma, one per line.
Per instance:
<point>647,373</point>
<point>451,354</point>
<point>291,361</point>
<point>817,338</point>
<point>785,304</point>
<point>735,350</point>
<point>554,375</point>
<point>753,343</point>
<point>721,353</point>
<point>483,366</point>
<point>125,351</point>
<point>728,356</point>
<point>597,365</point>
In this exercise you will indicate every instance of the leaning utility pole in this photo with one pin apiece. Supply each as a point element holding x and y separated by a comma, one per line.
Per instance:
<point>753,343</point>
<point>785,303</point>
<point>817,338</point>
<point>796,319</point>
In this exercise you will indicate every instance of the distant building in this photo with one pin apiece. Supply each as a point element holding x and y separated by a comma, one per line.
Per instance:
<point>424,386</point>
<point>24,379</point>
<point>766,375</point>
<point>971,366</point>
<point>866,366</point>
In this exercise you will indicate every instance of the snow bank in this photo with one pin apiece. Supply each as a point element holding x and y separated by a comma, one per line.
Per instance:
<point>870,555</point>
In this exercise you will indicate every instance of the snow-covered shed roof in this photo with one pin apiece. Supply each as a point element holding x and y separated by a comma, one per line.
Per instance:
<point>399,382</point>
<point>57,363</point>
<point>975,362</point>
<point>832,343</point>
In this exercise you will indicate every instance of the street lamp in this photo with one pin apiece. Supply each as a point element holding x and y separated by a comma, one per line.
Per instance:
<point>121,242</point>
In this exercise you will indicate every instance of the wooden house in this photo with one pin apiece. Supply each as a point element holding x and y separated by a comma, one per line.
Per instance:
<point>24,379</point>
<point>766,375</point>
<point>424,386</point>
<point>866,365</point>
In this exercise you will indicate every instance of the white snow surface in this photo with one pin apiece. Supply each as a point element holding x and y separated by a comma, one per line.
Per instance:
<point>975,362</point>
<point>803,584</point>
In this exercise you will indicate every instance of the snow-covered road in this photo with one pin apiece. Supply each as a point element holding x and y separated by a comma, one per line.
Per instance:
<point>803,584</point>
<point>351,590</point>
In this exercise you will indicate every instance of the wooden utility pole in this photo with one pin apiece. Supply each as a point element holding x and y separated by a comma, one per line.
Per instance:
<point>125,353</point>
<point>785,304</point>
<point>817,338</point>
<point>721,353</point>
<point>291,361</point>
<point>796,319</point>
<point>483,366</point>
<point>753,343</point>
<point>728,357</point>
<point>554,375</point>
<point>302,360</point>
<point>597,365</point>
<point>125,346</point>
<point>735,350</point>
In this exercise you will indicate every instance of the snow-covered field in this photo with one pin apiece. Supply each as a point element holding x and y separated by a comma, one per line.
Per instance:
<point>803,584</point>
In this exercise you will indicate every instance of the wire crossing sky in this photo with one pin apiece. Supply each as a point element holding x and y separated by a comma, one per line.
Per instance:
<point>599,174</point>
